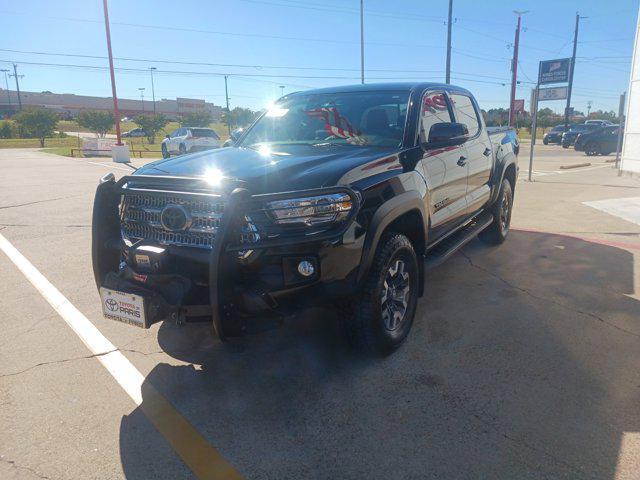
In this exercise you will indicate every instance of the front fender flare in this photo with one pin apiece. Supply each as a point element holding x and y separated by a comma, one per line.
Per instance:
<point>382,218</point>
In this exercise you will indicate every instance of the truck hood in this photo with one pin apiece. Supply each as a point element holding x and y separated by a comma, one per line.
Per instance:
<point>288,168</point>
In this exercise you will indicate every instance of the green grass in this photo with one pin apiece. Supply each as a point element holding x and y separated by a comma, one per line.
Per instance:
<point>69,142</point>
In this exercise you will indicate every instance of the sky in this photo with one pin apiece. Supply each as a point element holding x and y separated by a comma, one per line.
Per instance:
<point>265,44</point>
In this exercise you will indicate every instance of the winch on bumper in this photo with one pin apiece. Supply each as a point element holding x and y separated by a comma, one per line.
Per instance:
<point>190,249</point>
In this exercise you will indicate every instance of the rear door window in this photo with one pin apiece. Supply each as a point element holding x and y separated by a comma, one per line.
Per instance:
<point>465,112</point>
<point>434,109</point>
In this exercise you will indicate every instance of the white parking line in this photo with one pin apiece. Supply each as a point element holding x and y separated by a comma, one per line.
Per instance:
<point>196,452</point>
<point>128,376</point>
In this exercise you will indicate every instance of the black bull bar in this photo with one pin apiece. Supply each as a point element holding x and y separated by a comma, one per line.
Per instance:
<point>106,240</point>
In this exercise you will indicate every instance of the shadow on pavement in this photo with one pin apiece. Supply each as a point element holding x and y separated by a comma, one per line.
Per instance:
<point>522,364</point>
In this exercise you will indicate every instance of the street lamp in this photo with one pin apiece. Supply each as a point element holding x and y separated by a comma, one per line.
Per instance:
<point>153,90</point>
<point>282,90</point>
<point>142,97</point>
<point>6,81</point>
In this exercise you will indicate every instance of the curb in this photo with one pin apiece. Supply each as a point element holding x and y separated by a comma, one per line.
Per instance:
<point>575,165</point>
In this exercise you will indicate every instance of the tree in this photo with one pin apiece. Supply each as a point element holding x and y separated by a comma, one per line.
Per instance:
<point>151,124</point>
<point>239,117</point>
<point>196,119</point>
<point>37,122</point>
<point>5,130</point>
<point>97,121</point>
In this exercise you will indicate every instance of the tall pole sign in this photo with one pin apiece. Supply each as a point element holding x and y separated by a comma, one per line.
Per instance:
<point>549,71</point>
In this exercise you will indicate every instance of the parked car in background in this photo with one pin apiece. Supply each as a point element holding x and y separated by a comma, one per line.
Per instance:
<point>555,135</point>
<point>600,123</point>
<point>569,138</point>
<point>136,132</point>
<point>189,139</point>
<point>599,142</point>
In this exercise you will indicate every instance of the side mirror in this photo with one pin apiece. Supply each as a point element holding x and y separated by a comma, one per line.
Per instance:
<point>447,134</point>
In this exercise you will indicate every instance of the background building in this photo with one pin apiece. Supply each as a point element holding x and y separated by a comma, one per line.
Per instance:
<point>68,104</point>
<point>631,144</point>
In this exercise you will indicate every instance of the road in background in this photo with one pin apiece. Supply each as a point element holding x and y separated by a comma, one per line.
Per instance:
<point>532,375</point>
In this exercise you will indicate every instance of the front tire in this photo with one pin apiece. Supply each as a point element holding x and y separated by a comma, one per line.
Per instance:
<point>165,152</point>
<point>182,149</point>
<point>496,233</point>
<point>381,317</point>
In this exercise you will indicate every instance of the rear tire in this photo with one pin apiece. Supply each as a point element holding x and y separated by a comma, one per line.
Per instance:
<point>496,233</point>
<point>380,318</point>
<point>591,149</point>
<point>545,141</point>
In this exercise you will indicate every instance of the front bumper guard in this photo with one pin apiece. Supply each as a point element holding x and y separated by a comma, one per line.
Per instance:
<point>106,241</point>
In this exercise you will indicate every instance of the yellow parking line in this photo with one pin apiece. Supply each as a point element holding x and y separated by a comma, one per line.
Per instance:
<point>204,460</point>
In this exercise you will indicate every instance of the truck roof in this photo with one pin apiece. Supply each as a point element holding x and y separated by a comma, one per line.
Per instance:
<point>381,87</point>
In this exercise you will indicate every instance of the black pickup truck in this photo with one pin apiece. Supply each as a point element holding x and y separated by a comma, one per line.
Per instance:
<point>342,195</point>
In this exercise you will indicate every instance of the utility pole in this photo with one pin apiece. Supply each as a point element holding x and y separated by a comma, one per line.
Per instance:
<point>116,112</point>
<point>448,73</point>
<point>142,97</point>
<point>153,90</point>
<point>226,94</point>
<point>16,76</point>
<point>362,41</point>
<point>6,81</point>
<point>514,71</point>
<point>573,67</point>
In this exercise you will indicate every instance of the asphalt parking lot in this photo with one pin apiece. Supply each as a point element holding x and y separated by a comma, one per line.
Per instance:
<point>522,363</point>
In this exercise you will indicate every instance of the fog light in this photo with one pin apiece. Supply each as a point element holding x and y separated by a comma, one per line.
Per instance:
<point>305,268</point>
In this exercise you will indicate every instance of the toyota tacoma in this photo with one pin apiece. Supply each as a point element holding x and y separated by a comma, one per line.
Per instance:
<point>344,195</point>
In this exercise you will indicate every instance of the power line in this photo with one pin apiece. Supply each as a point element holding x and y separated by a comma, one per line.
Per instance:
<point>258,67</point>
<point>248,75</point>
<point>219,32</point>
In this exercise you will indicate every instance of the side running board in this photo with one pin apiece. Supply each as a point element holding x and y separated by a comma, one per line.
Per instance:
<point>451,245</point>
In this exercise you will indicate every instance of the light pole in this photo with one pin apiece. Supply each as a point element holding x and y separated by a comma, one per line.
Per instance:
<point>448,66</point>
<point>116,112</point>
<point>362,41</point>
<point>142,97</point>
<point>6,81</point>
<point>16,76</point>
<point>514,70</point>
<point>153,90</point>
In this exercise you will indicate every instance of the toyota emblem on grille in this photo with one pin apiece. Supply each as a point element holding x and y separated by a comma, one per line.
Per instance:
<point>175,218</point>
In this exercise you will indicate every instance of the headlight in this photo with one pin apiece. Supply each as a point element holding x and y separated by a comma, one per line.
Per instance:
<point>310,211</point>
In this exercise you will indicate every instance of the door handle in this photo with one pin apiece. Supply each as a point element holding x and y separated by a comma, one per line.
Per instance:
<point>462,161</point>
<point>487,152</point>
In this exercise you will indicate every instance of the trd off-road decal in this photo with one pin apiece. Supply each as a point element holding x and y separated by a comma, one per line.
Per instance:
<point>338,126</point>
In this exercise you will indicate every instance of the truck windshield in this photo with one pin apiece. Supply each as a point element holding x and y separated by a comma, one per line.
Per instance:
<point>357,119</point>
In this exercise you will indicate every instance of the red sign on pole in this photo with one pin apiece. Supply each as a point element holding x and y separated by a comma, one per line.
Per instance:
<point>518,105</point>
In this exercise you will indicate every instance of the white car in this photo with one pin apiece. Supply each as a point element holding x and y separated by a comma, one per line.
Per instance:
<point>189,139</point>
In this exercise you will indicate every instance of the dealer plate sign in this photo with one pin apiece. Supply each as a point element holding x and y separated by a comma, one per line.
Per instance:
<point>554,71</point>
<point>123,307</point>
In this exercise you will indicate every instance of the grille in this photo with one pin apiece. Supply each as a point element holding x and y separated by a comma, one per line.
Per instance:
<point>140,218</point>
